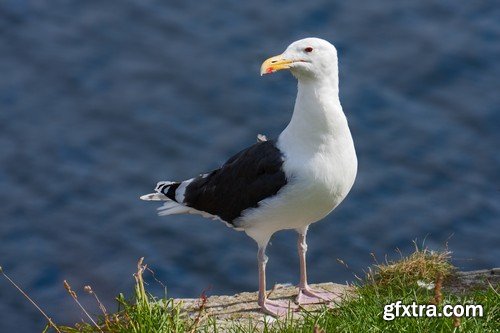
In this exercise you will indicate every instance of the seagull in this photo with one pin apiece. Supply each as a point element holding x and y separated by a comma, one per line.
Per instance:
<point>288,183</point>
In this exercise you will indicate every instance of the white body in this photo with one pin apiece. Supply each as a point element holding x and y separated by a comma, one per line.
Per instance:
<point>320,164</point>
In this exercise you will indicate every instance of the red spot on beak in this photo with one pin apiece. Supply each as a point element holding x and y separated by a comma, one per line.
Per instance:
<point>269,70</point>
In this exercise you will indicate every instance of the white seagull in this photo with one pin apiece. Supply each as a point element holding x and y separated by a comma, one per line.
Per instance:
<point>288,183</point>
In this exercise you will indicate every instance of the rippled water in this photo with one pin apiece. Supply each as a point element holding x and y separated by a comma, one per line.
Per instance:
<point>98,101</point>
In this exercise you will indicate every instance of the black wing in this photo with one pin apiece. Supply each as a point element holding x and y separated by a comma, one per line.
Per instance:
<point>245,179</point>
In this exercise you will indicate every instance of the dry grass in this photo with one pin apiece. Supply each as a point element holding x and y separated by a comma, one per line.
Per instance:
<point>421,265</point>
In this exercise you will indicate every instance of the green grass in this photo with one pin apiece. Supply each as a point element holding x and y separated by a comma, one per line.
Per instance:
<point>361,311</point>
<point>143,314</point>
<point>392,281</point>
<point>364,314</point>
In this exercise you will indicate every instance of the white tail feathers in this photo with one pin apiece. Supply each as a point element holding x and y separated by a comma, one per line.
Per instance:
<point>171,207</point>
<point>154,197</point>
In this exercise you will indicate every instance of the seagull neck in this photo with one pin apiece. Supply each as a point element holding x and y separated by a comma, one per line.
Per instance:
<point>317,117</point>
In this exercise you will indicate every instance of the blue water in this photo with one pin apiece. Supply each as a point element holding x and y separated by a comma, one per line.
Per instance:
<point>100,100</point>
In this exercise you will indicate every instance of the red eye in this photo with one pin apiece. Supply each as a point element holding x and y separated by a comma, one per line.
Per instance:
<point>308,49</point>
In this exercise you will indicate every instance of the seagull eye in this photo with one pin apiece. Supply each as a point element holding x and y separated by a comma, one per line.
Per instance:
<point>308,49</point>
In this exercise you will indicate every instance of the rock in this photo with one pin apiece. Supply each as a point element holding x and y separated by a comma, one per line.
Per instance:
<point>242,308</point>
<point>463,282</point>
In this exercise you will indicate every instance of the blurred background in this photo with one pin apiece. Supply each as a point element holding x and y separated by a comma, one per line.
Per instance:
<point>100,100</point>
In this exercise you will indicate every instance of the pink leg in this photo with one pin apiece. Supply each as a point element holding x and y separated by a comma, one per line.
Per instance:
<point>275,308</point>
<point>307,295</point>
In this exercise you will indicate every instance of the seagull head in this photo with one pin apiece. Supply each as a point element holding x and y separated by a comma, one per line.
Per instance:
<point>309,58</point>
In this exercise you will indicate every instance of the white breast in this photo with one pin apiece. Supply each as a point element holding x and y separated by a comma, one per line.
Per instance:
<point>318,181</point>
<point>320,178</point>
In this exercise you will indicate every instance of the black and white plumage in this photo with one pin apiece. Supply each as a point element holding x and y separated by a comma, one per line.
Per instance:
<point>246,179</point>
<point>284,184</point>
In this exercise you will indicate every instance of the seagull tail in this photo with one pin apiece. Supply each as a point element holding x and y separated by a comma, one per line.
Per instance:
<point>162,192</point>
<point>171,207</point>
<point>165,191</point>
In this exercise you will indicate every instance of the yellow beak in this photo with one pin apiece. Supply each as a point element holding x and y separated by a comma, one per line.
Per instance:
<point>274,64</point>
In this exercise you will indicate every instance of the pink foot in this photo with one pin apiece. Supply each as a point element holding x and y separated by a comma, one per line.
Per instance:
<point>277,308</point>
<point>311,296</point>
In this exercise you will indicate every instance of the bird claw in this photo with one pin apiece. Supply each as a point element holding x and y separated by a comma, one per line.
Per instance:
<point>278,308</point>
<point>311,296</point>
